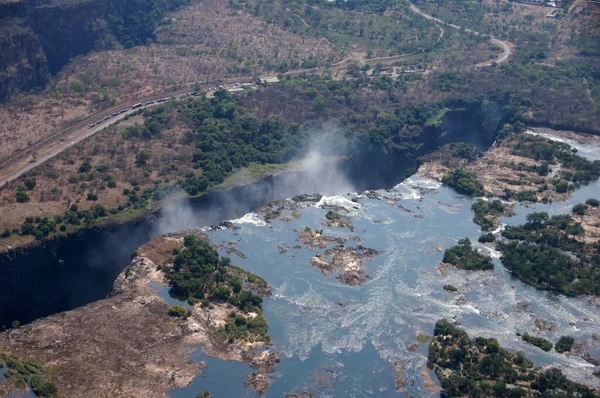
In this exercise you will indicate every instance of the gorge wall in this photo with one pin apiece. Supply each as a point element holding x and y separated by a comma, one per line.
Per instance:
<point>66,272</point>
<point>38,37</point>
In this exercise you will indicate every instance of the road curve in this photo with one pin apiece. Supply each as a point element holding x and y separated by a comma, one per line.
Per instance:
<point>15,165</point>
<point>505,45</point>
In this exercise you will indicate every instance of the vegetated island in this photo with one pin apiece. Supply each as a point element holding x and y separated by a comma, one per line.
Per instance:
<point>464,256</point>
<point>554,253</point>
<point>520,167</point>
<point>151,339</point>
<point>480,367</point>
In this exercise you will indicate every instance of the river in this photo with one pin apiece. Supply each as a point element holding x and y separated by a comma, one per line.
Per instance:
<point>339,340</point>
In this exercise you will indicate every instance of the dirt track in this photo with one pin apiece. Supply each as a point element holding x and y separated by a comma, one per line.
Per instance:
<point>506,46</point>
<point>19,163</point>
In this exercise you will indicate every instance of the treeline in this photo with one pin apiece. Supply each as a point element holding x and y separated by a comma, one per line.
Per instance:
<point>480,367</point>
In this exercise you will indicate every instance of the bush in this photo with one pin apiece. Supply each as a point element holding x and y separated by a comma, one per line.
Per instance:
<point>86,166</point>
<point>92,196</point>
<point>112,183</point>
<point>564,344</point>
<point>540,342</point>
<point>6,233</point>
<point>42,387</point>
<point>487,238</point>
<point>29,183</point>
<point>593,202</point>
<point>579,209</point>
<point>465,257</point>
<point>21,197</point>
<point>63,228</point>
<point>177,311</point>
<point>450,288</point>
<point>463,182</point>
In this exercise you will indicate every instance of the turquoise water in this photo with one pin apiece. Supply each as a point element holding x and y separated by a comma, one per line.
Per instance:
<point>338,340</point>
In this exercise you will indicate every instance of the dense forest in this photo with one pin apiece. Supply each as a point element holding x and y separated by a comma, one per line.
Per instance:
<point>545,253</point>
<point>480,367</point>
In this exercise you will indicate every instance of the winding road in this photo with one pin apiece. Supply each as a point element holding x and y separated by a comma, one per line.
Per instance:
<point>506,46</point>
<point>15,165</point>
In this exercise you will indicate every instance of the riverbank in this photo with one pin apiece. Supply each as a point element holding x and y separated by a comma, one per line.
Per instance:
<point>128,344</point>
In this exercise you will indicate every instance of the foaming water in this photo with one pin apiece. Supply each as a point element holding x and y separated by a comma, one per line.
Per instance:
<point>338,340</point>
<point>250,218</point>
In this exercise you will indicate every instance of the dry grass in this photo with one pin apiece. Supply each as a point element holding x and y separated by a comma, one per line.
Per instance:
<point>55,189</point>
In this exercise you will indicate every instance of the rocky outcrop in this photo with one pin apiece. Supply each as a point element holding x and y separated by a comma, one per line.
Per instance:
<point>128,345</point>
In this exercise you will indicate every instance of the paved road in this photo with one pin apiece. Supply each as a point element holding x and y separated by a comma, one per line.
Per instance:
<point>505,45</point>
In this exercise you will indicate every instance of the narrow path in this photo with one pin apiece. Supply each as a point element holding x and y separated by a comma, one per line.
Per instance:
<point>15,165</point>
<point>506,46</point>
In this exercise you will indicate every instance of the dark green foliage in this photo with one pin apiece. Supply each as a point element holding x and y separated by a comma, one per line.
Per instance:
<point>21,197</point>
<point>42,387</point>
<point>199,273</point>
<point>481,367</point>
<point>333,216</point>
<point>141,159</point>
<point>450,288</point>
<point>553,152</point>
<point>463,182</point>
<point>564,344</point>
<point>463,256</point>
<point>593,202</point>
<point>133,21</point>
<point>579,209</point>
<point>482,208</point>
<point>6,233</point>
<point>29,183</point>
<point>177,311</point>
<point>24,372</point>
<point>86,166</point>
<point>92,196</point>
<point>540,342</point>
<point>487,238</point>
<point>535,255</point>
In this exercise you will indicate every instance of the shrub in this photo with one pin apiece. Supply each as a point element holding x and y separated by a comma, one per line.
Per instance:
<point>112,183</point>
<point>465,257</point>
<point>21,197</point>
<point>177,311</point>
<point>450,288</point>
<point>487,238</point>
<point>92,196</point>
<point>43,387</point>
<point>593,202</point>
<point>86,166</point>
<point>564,344</point>
<point>463,182</point>
<point>540,342</point>
<point>579,209</point>
<point>6,233</point>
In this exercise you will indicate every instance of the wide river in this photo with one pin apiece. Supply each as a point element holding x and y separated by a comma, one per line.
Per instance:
<point>338,340</point>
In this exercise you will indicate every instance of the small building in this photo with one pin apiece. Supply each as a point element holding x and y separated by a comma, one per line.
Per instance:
<point>269,80</point>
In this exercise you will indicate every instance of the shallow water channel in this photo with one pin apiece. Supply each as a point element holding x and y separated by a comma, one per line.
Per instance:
<point>338,340</point>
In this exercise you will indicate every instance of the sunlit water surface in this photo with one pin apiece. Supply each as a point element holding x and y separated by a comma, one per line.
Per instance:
<point>338,340</point>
